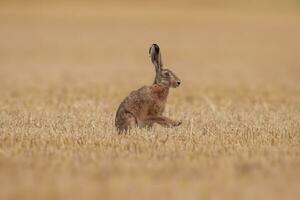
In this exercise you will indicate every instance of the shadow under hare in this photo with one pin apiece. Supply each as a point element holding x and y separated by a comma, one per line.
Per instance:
<point>145,106</point>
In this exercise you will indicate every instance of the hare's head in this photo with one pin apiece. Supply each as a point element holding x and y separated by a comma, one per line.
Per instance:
<point>163,76</point>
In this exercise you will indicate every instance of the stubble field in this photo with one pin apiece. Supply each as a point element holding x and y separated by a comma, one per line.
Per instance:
<point>65,68</point>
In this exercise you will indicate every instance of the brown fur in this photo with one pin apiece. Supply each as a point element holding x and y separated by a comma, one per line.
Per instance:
<point>145,106</point>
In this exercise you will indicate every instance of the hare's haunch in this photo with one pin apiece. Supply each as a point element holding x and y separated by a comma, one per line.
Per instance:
<point>144,107</point>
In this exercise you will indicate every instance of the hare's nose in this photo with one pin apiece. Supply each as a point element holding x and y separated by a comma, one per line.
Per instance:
<point>178,82</point>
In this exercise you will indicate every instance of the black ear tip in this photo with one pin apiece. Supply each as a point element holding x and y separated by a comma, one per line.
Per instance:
<point>156,48</point>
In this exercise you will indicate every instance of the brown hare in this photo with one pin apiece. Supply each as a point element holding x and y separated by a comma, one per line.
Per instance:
<point>144,107</point>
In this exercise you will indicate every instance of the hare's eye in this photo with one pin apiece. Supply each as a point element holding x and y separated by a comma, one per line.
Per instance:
<point>167,74</point>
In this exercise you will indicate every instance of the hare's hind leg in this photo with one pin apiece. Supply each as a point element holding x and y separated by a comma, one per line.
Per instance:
<point>126,122</point>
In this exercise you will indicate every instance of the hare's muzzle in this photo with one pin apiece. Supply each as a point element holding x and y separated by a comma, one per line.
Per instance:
<point>176,84</point>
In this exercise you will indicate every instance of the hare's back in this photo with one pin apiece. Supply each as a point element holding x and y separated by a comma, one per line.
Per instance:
<point>135,101</point>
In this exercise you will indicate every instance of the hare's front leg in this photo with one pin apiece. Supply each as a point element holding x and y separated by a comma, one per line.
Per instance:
<point>164,121</point>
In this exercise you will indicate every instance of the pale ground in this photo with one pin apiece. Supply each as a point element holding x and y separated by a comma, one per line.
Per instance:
<point>65,68</point>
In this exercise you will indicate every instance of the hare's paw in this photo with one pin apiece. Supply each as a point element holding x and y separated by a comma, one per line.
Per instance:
<point>176,123</point>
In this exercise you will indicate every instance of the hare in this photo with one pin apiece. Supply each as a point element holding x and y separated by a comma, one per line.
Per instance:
<point>144,107</point>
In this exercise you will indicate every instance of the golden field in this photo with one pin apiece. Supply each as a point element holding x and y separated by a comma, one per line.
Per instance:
<point>65,67</point>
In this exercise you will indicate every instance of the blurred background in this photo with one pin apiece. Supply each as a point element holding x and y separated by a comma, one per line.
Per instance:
<point>208,43</point>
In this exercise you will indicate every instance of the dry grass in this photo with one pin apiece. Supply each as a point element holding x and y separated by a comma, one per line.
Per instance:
<point>64,70</point>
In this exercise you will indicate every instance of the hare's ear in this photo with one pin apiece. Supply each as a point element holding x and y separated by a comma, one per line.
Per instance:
<point>155,55</point>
